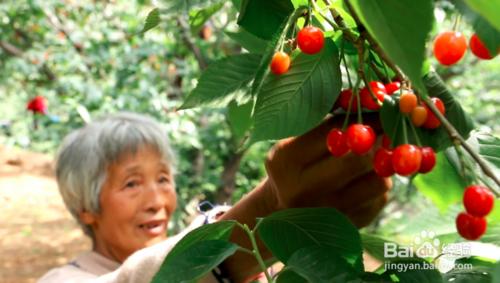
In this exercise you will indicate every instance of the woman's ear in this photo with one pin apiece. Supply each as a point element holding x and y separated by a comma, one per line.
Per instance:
<point>87,218</point>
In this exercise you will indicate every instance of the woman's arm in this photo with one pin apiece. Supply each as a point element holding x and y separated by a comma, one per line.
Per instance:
<point>302,173</point>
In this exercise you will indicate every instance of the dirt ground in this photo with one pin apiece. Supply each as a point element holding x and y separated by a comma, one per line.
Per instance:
<point>36,231</point>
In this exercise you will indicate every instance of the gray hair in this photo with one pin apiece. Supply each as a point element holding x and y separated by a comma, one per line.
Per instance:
<point>86,153</point>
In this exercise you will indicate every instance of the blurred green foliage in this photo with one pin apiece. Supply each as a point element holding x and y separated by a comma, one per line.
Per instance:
<point>88,58</point>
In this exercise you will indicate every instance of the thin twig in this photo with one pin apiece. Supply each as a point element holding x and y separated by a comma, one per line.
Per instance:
<point>456,137</point>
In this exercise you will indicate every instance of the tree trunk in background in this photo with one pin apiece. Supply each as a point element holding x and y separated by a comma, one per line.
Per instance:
<point>228,178</point>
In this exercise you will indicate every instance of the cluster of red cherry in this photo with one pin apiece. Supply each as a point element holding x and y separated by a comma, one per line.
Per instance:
<point>405,159</point>
<point>310,40</point>
<point>38,104</point>
<point>450,47</point>
<point>478,202</point>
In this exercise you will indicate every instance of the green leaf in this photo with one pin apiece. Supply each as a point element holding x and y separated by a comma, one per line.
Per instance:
<point>199,251</point>
<point>488,9</point>
<point>272,47</point>
<point>292,103</point>
<point>216,231</point>
<point>438,138</point>
<point>287,231</point>
<point>248,41</point>
<point>414,271</point>
<point>240,117</point>
<point>474,275</point>
<point>442,185</point>
<point>489,148</point>
<point>264,17</point>
<point>194,262</point>
<point>197,18</point>
<point>496,273</point>
<point>401,28</point>
<point>492,232</point>
<point>152,20</point>
<point>223,81</point>
<point>288,276</point>
<point>374,245</point>
<point>321,264</point>
<point>488,34</point>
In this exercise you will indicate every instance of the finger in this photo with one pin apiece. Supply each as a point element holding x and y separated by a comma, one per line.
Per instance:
<point>355,194</point>
<point>311,146</point>
<point>363,190</point>
<point>365,215</point>
<point>331,173</point>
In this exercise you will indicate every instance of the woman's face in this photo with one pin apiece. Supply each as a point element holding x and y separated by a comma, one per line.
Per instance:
<point>137,200</point>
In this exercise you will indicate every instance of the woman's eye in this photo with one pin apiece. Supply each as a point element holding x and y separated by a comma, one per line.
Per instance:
<point>131,184</point>
<point>164,179</point>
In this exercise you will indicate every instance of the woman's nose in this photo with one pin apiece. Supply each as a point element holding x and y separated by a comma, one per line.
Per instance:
<point>155,197</point>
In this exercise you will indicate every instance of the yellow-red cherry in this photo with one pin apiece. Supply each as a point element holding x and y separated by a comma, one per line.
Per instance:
<point>280,63</point>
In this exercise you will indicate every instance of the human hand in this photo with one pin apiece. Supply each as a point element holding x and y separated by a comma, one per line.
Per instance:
<point>303,173</point>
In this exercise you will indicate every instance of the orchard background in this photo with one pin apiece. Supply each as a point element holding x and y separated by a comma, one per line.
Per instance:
<point>89,58</point>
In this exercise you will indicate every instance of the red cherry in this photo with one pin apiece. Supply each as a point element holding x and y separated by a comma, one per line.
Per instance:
<point>378,85</point>
<point>391,88</point>
<point>450,47</point>
<point>336,141</point>
<point>477,47</point>
<point>280,63</point>
<point>386,142</point>
<point>478,200</point>
<point>406,159</point>
<point>310,40</point>
<point>432,121</point>
<point>470,227</point>
<point>367,100</point>
<point>428,159</point>
<point>382,163</point>
<point>345,97</point>
<point>360,138</point>
<point>38,105</point>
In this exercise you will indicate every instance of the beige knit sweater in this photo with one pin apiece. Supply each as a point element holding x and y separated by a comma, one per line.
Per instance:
<point>91,267</point>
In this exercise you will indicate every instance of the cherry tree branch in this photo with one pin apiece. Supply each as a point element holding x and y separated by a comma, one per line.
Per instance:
<point>452,132</point>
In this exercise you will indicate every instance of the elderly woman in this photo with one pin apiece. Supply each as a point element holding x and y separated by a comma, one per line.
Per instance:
<point>116,177</point>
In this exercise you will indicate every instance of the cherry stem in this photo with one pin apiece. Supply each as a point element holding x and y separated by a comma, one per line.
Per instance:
<point>417,138</point>
<point>395,129</point>
<point>356,92</point>
<point>457,138</point>
<point>310,11</point>
<point>456,24</point>
<point>405,132</point>
<point>330,22</point>
<point>464,165</point>
<point>255,248</point>
<point>452,132</point>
